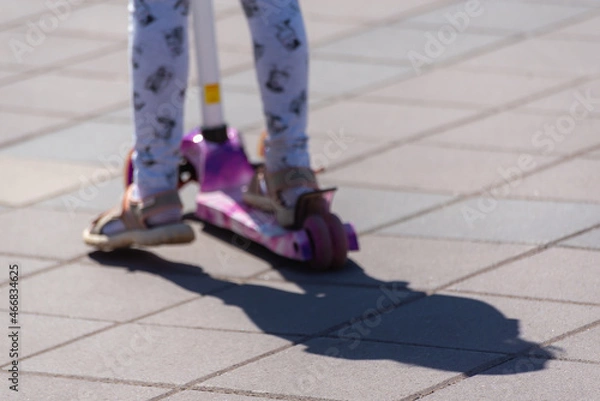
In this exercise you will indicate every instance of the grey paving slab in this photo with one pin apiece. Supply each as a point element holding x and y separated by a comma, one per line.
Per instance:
<point>375,44</point>
<point>51,178</point>
<point>352,11</point>
<point>379,206</point>
<point>49,50</point>
<point>421,264</point>
<point>518,132</point>
<point>98,20</point>
<point>104,145</point>
<point>436,169</point>
<point>516,380</point>
<point>364,119</point>
<point>326,149</point>
<point>17,126</point>
<point>194,395</point>
<point>512,16</point>
<point>539,56</point>
<point>588,240</point>
<point>104,195</point>
<point>59,389</point>
<point>43,233</point>
<point>558,273</point>
<point>106,292</point>
<point>47,93</point>
<point>581,346</point>
<point>274,308</point>
<point>470,89</point>
<point>483,323</point>
<point>42,332</point>
<point>26,265</point>
<point>485,219</point>
<point>330,77</point>
<point>330,369</point>
<point>572,102</point>
<point>133,352</point>
<point>575,180</point>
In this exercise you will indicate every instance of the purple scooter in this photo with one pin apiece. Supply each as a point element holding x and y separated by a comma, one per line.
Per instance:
<point>215,157</point>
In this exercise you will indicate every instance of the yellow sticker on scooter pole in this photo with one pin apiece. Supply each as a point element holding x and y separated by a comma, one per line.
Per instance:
<point>212,94</point>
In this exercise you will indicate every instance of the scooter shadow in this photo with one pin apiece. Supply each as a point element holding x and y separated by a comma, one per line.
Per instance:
<point>360,320</point>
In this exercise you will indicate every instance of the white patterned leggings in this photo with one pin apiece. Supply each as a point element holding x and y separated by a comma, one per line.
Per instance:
<point>159,55</point>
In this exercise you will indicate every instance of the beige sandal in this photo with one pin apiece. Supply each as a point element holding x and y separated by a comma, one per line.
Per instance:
<point>264,192</point>
<point>137,233</point>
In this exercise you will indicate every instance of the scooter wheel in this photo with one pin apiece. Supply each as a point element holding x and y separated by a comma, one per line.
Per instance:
<point>187,172</point>
<point>339,240</point>
<point>320,241</point>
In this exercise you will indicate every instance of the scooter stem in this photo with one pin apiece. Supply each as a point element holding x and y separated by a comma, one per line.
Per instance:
<point>208,65</point>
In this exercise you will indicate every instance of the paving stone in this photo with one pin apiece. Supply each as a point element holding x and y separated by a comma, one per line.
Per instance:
<point>353,10</point>
<point>47,49</point>
<point>385,121</point>
<point>516,380</point>
<point>267,307</point>
<point>330,369</point>
<point>102,292</point>
<point>194,395</point>
<point>579,30</point>
<point>21,10</point>
<point>375,44</point>
<point>50,177</point>
<point>558,273</point>
<point>26,265</point>
<point>418,263</point>
<point>518,132</point>
<point>329,77</point>
<point>17,126</point>
<point>104,145</point>
<point>581,346</point>
<point>471,322</point>
<point>537,56</point>
<point>435,169</point>
<point>100,197</point>
<point>47,93</point>
<point>512,16</point>
<point>575,180</point>
<point>97,20</point>
<point>468,89</point>
<point>514,221</point>
<point>379,206</point>
<point>60,389</point>
<point>43,233</point>
<point>40,332</point>
<point>132,352</point>
<point>572,102</point>
<point>588,240</point>
<point>326,150</point>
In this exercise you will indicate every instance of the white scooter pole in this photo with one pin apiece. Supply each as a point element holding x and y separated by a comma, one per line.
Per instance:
<point>213,124</point>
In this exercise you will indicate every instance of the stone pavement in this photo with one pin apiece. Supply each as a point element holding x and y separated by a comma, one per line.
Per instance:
<point>465,138</point>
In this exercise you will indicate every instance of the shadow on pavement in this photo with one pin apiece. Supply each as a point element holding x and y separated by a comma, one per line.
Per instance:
<point>443,332</point>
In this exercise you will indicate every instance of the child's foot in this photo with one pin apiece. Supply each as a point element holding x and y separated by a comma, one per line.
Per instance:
<point>291,194</point>
<point>155,220</point>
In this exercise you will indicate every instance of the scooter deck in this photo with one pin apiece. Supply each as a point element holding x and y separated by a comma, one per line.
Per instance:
<point>227,210</point>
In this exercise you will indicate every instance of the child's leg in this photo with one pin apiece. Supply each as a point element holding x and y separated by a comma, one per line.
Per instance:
<point>281,57</point>
<point>159,68</point>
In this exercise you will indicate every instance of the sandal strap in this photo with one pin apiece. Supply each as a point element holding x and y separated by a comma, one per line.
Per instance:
<point>133,214</point>
<point>292,177</point>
